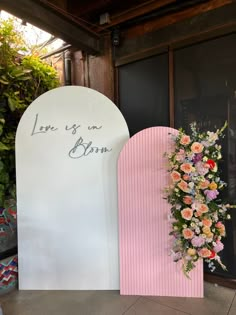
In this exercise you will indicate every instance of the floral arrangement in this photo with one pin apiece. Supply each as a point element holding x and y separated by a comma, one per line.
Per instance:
<point>197,214</point>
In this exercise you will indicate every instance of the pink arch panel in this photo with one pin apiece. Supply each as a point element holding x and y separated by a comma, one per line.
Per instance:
<point>146,268</point>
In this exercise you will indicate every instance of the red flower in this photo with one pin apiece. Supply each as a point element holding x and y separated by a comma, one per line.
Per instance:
<point>211,164</point>
<point>2,220</point>
<point>213,255</point>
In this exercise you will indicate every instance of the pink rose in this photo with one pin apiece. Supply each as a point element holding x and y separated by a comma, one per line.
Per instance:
<point>219,225</point>
<point>180,156</point>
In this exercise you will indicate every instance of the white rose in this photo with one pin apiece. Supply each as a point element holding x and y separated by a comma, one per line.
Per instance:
<point>191,185</point>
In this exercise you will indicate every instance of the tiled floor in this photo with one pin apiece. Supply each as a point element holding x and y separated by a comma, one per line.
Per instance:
<point>217,301</point>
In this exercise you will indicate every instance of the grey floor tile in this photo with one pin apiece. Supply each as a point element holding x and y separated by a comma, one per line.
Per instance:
<point>145,306</point>
<point>232,311</point>
<point>233,307</point>
<point>66,303</point>
<point>217,301</point>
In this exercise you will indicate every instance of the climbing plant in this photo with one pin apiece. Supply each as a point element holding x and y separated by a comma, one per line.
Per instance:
<point>23,78</point>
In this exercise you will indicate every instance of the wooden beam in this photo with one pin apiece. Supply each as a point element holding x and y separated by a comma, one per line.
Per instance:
<point>60,3</point>
<point>53,22</point>
<point>79,9</point>
<point>208,25</point>
<point>165,21</point>
<point>137,11</point>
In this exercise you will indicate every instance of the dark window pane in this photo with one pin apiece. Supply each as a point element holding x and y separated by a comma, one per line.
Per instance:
<point>143,93</point>
<point>205,85</point>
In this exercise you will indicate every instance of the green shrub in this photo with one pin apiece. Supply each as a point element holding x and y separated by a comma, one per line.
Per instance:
<point>22,79</point>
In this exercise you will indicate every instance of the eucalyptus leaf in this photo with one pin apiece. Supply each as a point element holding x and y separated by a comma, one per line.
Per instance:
<point>4,81</point>
<point>11,104</point>
<point>25,78</point>
<point>3,147</point>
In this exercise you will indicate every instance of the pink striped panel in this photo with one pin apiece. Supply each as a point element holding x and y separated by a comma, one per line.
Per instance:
<point>145,265</point>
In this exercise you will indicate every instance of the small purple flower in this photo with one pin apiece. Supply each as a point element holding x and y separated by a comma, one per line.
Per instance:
<point>211,194</point>
<point>218,247</point>
<point>201,169</point>
<point>206,143</point>
<point>198,241</point>
<point>188,258</point>
<point>177,256</point>
<point>197,157</point>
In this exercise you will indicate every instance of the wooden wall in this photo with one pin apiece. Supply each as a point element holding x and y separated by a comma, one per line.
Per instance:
<point>148,39</point>
<point>152,37</point>
<point>96,72</point>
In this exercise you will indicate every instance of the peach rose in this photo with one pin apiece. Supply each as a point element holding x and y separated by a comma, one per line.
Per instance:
<point>191,251</point>
<point>204,185</point>
<point>187,233</point>
<point>207,222</point>
<point>197,147</point>
<point>175,176</point>
<point>185,140</point>
<point>183,186</point>
<point>220,226</point>
<point>187,213</point>
<point>213,186</point>
<point>186,168</point>
<point>187,200</point>
<point>210,235</point>
<point>206,230</point>
<point>222,232</point>
<point>204,252</point>
<point>186,177</point>
<point>202,208</point>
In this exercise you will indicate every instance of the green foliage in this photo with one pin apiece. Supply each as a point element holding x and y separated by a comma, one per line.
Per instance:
<point>22,79</point>
<point>43,77</point>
